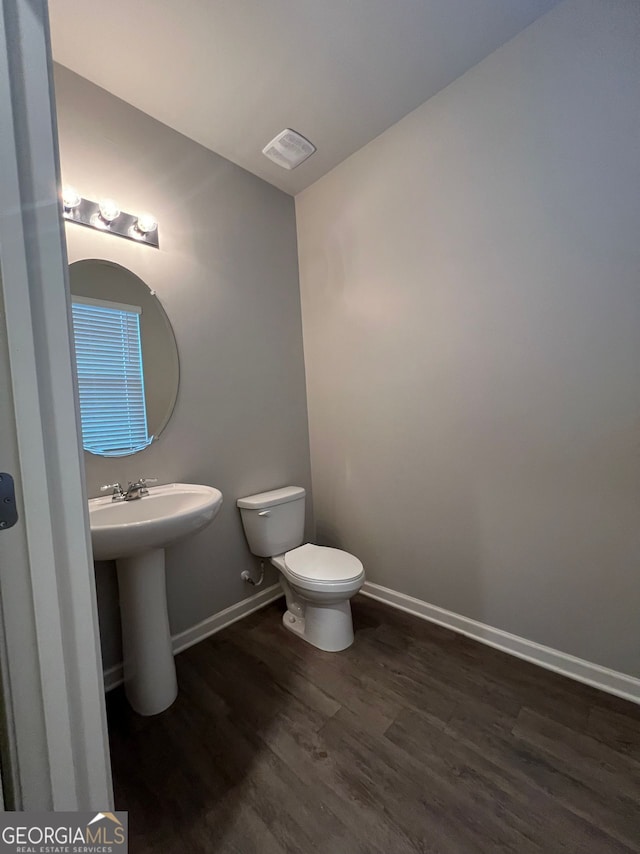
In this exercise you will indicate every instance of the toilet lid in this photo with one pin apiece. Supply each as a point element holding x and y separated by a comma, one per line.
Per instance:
<point>320,563</point>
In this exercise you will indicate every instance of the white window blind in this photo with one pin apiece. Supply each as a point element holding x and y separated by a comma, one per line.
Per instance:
<point>110,376</point>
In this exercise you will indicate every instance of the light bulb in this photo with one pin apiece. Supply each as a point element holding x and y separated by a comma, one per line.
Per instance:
<point>70,198</point>
<point>109,210</point>
<point>146,222</point>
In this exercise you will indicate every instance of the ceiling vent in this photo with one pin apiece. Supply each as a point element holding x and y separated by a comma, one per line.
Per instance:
<point>288,149</point>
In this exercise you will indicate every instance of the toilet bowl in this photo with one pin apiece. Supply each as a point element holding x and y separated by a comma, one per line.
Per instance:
<point>318,581</point>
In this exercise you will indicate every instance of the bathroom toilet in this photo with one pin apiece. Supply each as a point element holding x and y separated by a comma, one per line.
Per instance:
<point>318,582</point>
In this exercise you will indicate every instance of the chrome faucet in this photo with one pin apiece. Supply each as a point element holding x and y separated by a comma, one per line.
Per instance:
<point>138,489</point>
<point>132,492</point>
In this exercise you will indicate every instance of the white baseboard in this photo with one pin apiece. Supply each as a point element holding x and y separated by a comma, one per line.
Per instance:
<point>213,624</point>
<point>607,680</point>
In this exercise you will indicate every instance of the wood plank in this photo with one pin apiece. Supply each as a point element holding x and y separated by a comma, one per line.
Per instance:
<point>593,760</point>
<point>503,777</point>
<point>619,731</point>
<point>419,795</point>
<point>492,737</point>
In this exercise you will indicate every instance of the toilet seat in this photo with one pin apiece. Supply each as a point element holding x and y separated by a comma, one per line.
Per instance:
<point>322,565</point>
<point>318,583</point>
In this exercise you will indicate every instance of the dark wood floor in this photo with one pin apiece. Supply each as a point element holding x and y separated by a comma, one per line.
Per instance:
<point>414,740</point>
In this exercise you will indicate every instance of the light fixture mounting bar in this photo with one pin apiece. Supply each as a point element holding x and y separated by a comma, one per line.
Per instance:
<point>87,213</point>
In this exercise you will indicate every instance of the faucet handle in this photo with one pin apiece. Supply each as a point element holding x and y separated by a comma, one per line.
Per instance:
<point>145,480</point>
<point>116,490</point>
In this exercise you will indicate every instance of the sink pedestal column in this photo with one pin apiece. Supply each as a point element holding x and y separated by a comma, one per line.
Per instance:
<point>149,669</point>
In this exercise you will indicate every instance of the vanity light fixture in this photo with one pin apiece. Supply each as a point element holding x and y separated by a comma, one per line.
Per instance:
<point>106,216</point>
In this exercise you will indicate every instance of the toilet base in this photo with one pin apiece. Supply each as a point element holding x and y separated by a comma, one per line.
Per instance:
<point>293,623</point>
<point>327,627</point>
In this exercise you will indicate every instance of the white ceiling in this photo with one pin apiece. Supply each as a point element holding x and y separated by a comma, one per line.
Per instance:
<point>231,74</point>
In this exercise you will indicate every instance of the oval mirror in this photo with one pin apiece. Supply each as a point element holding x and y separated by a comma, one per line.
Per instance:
<point>126,357</point>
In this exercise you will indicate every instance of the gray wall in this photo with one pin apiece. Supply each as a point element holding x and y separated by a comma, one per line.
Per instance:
<point>227,276</point>
<point>471,311</point>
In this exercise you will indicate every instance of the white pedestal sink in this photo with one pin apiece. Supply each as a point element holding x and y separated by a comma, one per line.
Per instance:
<point>135,535</point>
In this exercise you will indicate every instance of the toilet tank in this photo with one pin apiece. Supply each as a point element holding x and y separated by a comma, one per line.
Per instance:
<point>273,521</point>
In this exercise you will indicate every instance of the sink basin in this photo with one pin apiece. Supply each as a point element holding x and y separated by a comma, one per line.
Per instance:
<point>167,513</point>
<point>135,535</point>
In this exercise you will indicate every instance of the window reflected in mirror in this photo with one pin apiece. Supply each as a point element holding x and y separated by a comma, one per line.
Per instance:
<point>110,376</point>
<point>126,355</point>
